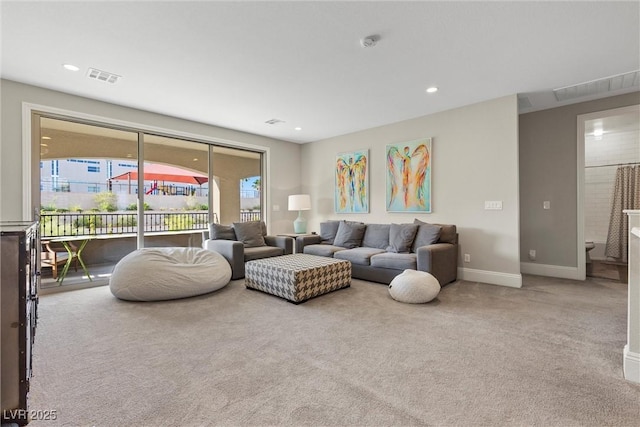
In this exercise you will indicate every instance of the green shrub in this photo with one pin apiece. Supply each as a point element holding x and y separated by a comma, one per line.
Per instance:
<point>134,207</point>
<point>106,201</point>
<point>178,222</point>
<point>88,221</point>
<point>123,221</point>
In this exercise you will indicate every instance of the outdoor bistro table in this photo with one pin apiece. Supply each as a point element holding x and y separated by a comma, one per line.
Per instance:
<point>65,241</point>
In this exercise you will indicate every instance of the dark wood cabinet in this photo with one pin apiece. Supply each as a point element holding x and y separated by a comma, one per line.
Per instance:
<point>19,283</point>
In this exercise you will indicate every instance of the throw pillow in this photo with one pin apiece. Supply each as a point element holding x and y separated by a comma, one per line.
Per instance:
<point>328,231</point>
<point>427,234</point>
<point>263,227</point>
<point>376,236</point>
<point>349,234</point>
<point>401,237</point>
<point>249,233</point>
<point>221,232</point>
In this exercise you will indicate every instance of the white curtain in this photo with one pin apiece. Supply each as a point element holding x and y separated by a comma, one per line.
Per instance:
<point>626,195</point>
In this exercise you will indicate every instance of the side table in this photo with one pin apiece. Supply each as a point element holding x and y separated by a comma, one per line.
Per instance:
<point>296,250</point>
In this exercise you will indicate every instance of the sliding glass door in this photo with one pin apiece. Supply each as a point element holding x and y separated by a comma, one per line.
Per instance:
<point>95,193</point>
<point>176,191</point>
<point>80,203</point>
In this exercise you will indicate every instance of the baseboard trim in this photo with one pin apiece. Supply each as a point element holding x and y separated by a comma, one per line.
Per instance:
<point>631,364</point>
<point>550,270</point>
<point>491,277</point>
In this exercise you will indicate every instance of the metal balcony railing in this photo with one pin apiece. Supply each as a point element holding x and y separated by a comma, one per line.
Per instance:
<point>107,223</point>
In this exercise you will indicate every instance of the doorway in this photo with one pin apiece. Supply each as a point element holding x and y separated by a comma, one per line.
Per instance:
<point>608,144</point>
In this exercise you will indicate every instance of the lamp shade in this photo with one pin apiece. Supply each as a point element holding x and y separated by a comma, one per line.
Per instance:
<point>299,202</point>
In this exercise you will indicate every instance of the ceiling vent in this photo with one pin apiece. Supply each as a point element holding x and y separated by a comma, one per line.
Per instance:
<point>103,76</point>
<point>274,121</point>
<point>594,87</point>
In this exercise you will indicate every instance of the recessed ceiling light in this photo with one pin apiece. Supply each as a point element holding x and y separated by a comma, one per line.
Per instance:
<point>195,159</point>
<point>46,137</point>
<point>298,128</point>
<point>44,145</point>
<point>370,41</point>
<point>432,89</point>
<point>70,67</point>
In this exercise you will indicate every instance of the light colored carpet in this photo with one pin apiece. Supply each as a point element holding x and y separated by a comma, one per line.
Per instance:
<point>547,354</point>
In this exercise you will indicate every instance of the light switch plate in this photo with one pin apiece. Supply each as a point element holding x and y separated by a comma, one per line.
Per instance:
<point>546,204</point>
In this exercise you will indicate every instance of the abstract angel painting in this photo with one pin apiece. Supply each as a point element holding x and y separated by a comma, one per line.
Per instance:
<point>352,178</point>
<point>409,176</point>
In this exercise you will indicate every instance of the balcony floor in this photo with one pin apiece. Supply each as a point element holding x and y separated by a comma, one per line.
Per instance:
<point>100,274</point>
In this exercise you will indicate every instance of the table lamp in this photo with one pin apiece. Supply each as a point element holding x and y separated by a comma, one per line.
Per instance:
<point>299,202</point>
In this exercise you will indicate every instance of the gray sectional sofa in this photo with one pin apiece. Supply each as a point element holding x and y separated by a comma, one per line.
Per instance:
<point>379,252</point>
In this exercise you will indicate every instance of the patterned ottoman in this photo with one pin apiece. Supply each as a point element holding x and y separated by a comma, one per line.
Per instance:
<point>297,277</point>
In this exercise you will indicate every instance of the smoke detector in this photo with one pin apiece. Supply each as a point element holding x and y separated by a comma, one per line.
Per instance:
<point>370,41</point>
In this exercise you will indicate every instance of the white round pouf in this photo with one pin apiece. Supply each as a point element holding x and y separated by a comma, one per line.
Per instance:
<point>155,274</point>
<point>414,287</point>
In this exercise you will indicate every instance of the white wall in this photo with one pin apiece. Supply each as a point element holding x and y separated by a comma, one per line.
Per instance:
<point>284,165</point>
<point>475,159</point>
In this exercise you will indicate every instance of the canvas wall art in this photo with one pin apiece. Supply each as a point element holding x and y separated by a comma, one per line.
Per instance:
<point>352,182</point>
<point>409,176</point>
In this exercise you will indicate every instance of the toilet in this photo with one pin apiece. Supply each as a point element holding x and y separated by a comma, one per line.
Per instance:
<point>587,247</point>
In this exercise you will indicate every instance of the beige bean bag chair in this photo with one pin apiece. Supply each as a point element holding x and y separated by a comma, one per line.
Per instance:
<point>154,274</point>
<point>414,287</point>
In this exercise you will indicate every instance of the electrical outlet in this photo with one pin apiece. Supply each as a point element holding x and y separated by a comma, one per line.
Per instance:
<point>546,204</point>
<point>467,258</point>
<point>276,208</point>
<point>532,254</point>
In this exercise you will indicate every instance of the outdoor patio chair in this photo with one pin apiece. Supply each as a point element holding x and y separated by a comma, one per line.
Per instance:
<point>54,254</point>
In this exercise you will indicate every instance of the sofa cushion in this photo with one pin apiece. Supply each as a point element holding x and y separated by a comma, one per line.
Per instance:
<point>322,250</point>
<point>249,233</point>
<point>395,261</point>
<point>376,236</point>
<point>349,234</point>
<point>427,234</point>
<point>448,234</point>
<point>328,231</point>
<point>359,256</point>
<point>221,232</point>
<point>260,252</point>
<point>401,237</point>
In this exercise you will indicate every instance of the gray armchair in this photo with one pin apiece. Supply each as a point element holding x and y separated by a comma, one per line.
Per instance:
<point>243,242</point>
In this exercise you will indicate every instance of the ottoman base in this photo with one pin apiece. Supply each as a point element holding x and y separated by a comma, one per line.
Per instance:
<point>296,302</point>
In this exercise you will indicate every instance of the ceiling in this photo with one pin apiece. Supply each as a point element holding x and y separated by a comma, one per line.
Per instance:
<point>240,64</point>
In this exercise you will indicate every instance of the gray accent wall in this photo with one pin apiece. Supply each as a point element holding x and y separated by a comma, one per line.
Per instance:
<point>283,160</point>
<point>475,159</point>
<point>548,171</point>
